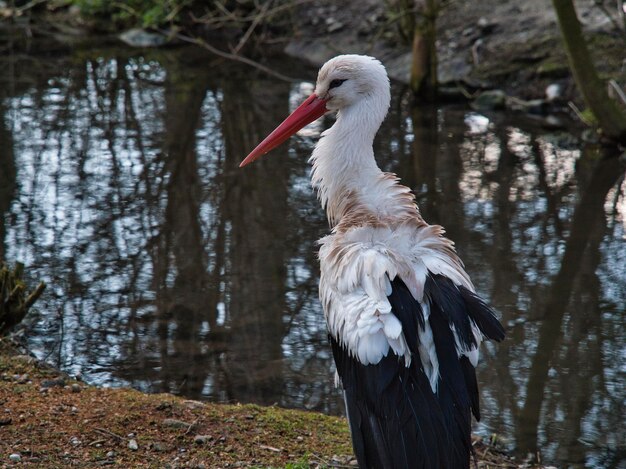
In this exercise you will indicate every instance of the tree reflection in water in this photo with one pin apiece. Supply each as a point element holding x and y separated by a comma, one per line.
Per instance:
<point>172,270</point>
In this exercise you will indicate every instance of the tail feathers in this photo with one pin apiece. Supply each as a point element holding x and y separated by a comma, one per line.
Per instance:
<point>469,376</point>
<point>402,427</point>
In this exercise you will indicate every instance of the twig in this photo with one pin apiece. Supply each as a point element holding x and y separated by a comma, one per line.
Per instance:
<point>30,300</point>
<point>609,15</point>
<point>29,5</point>
<point>574,108</point>
<point>270,448</point>
<point>191,427</point>
<point>107,432</point>
<point>229,16</point>
<point>253,25</point>
<point>620,93</point>
<point>229,56</point>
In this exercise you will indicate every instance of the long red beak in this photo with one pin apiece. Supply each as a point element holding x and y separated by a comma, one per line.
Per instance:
<point>311,109</point>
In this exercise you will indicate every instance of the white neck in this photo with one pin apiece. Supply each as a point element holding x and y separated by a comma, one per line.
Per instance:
<point>343,159</point>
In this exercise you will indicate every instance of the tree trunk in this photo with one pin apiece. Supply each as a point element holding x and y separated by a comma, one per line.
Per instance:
<point>611,119</point>
<point>423,80</point>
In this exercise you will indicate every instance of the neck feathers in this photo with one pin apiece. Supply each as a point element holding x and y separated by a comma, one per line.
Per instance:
<point>351,186</point>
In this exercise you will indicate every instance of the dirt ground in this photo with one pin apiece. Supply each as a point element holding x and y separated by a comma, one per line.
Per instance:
<point>512,45</point>
<point>48,420</point>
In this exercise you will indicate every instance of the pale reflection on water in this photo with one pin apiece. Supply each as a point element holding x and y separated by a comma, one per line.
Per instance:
<point>172,270</point>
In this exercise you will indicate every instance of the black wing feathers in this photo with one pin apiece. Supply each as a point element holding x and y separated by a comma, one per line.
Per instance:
<point>399,428</point>
<point>396,420</point>
<point>444,295</point>
<point>483,315</point>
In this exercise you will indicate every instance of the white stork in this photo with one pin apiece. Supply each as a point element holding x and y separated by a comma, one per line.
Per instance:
<point>403,317</point>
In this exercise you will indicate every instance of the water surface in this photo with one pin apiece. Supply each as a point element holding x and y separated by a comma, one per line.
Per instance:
<point>171,270</point>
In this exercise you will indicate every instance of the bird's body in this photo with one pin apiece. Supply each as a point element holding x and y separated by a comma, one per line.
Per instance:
<point>403,319</point>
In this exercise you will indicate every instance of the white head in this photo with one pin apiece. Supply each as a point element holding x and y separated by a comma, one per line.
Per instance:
<point>354,85</point>
<point>347,80</point>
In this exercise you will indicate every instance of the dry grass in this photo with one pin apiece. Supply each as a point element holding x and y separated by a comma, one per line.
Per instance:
<point>52,421</point>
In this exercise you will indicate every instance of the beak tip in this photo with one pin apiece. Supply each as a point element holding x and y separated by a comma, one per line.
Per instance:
<point>247,160</point>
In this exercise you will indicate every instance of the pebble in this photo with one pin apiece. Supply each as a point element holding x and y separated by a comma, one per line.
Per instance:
<point>15,457</point>
<point>74,441</point>
<point>553,91</point>
<point>75,388</point>
<point>335,27</point>
<point>111,454</point>
<point>161,447</point>
<point>202,439</point>
<point>132,445</point>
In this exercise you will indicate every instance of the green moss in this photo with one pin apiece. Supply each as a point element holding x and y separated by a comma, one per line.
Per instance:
<point>145,13</point>
<point>553,68</point>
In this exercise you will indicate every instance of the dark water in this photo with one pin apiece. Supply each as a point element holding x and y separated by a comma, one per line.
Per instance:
<point>169,269</point>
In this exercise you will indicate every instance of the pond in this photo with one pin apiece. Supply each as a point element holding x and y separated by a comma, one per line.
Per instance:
<point>169,269</point>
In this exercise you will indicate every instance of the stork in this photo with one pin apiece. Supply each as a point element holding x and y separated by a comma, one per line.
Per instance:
<point>404,320</point>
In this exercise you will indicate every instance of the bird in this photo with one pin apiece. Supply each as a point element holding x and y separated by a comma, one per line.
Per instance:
<point>404,320</point>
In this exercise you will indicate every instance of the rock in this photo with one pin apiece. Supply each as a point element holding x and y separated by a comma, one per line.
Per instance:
<point>490,100</point>
<point>111,454</point>
<point>75,388</point>
<point>161,447</point>
<point>333,25</point>
<point>15,457</point>
<point>5,421</point>
<point>137,37</point>
<point>202,439</point>
<point>51,383</point>
<point>486,26</point>
<point>176,423</point>
<point>554,91</point>
<point>74,441</point>
<point>453,71</point>
<point>194,404</point>
<point>132,445</point>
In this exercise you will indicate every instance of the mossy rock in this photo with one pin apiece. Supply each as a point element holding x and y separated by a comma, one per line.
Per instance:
<point>553,68</point>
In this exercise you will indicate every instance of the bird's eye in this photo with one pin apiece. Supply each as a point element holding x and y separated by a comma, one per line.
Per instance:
<point>335,83</point>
